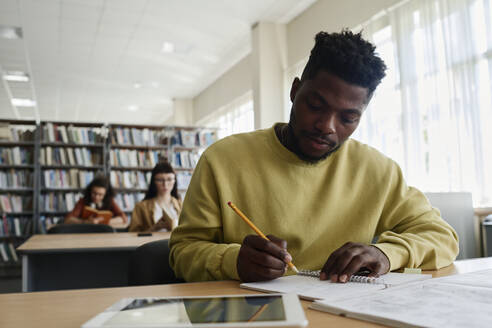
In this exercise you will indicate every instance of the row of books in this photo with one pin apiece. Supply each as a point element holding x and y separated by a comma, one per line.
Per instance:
<point>191,138</point>
<point>59,201</point>
<point>16,178</point>
<point>183,179</point>
<point>46,222</point>
<point>15,156</point>
<point>70,134</point>
<point>8,253</point>
<point>134,158</point>
<point>70,156</point>
<point>15,203</point>
<point>127,201</point>
<point>16,133</point>
<point>138,137</point>
<point>185,159</point>
<point>130,179</point>
<point>72,178</point>
<point>15,226</point>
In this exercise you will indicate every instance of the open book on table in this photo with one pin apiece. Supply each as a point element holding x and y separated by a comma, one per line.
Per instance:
<point>311,288</point>
<point>89,212</point>
<point>454,301</point>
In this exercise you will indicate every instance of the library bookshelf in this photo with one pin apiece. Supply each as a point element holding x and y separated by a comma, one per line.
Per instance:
<point>45,167</point>
<point>18,184</point>
<point>70,155</point>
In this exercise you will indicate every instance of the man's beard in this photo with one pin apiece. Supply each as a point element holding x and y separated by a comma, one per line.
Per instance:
<point>293,144</point>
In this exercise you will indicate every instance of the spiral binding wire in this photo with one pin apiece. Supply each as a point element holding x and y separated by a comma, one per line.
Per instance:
<point>353,278</point>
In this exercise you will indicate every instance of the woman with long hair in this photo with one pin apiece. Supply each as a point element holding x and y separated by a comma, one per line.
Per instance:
<point>98,195</point>
<point>160,208</point>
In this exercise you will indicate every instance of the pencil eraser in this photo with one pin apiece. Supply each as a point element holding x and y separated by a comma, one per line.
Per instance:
<point>229,203</point>
<point>412,270</point>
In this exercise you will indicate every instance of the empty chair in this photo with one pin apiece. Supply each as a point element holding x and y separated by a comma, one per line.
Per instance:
<point>149,265</point>
<point>457,209</point>
<point>80,228</point>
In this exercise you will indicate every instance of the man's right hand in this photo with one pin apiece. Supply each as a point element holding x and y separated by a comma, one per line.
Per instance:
<point>260,259</point>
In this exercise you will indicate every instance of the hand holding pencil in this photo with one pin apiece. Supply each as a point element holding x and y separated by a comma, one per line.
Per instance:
<point>261,257</point>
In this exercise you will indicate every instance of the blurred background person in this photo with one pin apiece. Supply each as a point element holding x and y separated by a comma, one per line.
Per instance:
<point>160,209</point>
<point>98,195</point>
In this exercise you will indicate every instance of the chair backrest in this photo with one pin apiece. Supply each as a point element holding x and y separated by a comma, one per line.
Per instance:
<point>80,228</point>
<point>149,265</point>
<point>457,209</point>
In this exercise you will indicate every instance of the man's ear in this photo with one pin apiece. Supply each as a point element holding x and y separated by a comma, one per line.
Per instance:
<point>296,85</point>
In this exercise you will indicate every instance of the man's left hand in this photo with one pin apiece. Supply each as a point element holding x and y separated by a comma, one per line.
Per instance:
<point>351,258</point>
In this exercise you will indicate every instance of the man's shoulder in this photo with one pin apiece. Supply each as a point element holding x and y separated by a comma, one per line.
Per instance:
<point>365,153</point>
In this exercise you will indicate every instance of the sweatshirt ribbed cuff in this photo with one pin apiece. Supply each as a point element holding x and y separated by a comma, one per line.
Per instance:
<point>396,254</point>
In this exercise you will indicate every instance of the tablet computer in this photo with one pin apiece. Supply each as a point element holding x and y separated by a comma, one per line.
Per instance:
<point>264,310</point>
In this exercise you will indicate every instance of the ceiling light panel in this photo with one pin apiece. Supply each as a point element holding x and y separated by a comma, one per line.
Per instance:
<point>16,76</point>
<point>10,32</point>
<point>23,102</point>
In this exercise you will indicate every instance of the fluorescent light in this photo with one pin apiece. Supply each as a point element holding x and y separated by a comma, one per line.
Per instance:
<point>16,76</point>
<point>137,85</point>
<point>168,47</point>
<point>133,108</point>
<point>22,102</point>
<point>10,32</point>
<point>155,84</point>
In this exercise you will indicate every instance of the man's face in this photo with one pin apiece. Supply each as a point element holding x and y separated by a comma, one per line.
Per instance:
<point>325,111</point>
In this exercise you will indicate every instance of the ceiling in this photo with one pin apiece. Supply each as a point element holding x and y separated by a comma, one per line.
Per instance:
<point>102,60</point>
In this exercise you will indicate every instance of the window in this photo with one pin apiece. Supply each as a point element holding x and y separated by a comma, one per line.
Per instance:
<point>236,117</point>
<point>432,112</point>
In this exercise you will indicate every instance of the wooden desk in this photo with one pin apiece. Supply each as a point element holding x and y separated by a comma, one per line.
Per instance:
<point>72,308</point>
<point>71,261</point>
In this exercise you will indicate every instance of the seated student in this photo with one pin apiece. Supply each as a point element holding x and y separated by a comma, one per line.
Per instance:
<point>160,209</point>
<point>308,183</point>
<point>99,195</point>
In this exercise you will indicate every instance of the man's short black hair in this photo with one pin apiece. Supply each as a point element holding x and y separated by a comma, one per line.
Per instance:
<point>348,56</point>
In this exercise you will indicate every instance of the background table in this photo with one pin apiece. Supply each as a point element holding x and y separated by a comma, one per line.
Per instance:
<point>72,261</point>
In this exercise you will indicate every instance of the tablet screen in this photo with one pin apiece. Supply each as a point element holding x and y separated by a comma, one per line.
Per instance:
<point>199,310</point>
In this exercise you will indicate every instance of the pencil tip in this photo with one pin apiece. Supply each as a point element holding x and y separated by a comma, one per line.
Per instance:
<point>295,269</point>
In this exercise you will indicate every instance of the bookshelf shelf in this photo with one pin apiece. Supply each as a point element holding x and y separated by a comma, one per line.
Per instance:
<point>123,190</point>
<point>16,166</point>
<point>17,143</point>
<point>57,213</point>
<point>139,147</point>
<point>25,213</point>
<point>44,189</point>
<point>68,167</point>
<point>131,168</point>
<point>16,190</point>
<point>75,145</point>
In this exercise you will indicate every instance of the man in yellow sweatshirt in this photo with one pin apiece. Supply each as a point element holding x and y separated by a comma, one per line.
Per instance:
<point>321,195</point>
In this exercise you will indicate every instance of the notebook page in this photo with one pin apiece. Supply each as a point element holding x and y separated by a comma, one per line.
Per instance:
<point>312,288</point>
<point>431,304</point>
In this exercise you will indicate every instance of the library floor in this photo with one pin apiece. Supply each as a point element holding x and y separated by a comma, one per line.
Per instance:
<point>10,285</point>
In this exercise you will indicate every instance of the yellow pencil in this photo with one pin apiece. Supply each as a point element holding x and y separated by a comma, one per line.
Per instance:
<point>251,224</point>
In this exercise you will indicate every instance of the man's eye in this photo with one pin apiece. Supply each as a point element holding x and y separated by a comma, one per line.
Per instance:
<point>350,119</point>
<point>314,106</point>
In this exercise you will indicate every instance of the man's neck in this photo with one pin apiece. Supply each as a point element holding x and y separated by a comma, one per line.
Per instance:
<point>284,135</point>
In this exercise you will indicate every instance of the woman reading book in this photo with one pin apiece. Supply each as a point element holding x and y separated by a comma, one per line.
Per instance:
<point>160,209</point>
<point>97,205</point>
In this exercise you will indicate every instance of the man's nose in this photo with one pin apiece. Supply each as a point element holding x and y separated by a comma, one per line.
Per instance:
<point>326,124</point>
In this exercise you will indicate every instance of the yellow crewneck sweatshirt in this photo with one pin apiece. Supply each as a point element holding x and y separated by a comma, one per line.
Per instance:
<point>353,195</point>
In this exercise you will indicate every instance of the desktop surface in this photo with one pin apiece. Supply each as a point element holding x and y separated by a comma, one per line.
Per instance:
<point>72,308</point>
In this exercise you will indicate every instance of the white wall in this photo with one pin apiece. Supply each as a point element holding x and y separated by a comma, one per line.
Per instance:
<point>329,16</point>
<point>233,84</point>
<point>324,15</point>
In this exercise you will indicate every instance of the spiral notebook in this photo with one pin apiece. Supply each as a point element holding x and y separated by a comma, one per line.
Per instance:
<point>308,286</point>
